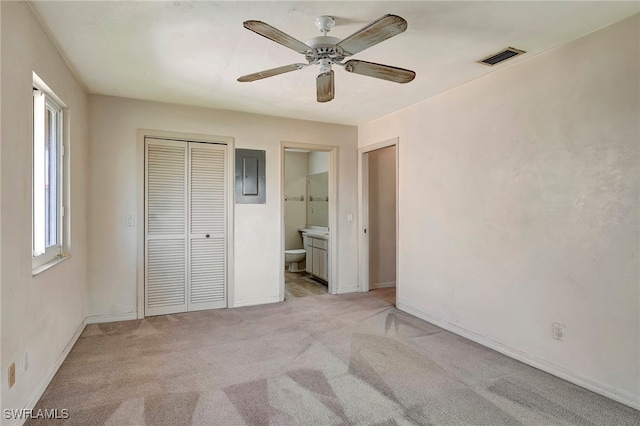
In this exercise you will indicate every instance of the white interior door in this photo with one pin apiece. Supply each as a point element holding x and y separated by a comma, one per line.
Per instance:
<point>185,226</point>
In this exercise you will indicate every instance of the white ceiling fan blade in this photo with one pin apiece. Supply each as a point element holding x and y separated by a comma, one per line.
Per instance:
<point>270,73</point>
<point>384,72</point>
<point>379,30</point>
<point>324,84</point>
<point>276,35</point>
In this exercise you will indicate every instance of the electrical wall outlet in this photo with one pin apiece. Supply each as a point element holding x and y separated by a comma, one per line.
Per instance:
<point>558,331</point>
<point>12,374</point>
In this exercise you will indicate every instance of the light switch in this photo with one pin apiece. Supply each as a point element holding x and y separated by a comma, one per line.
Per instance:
<point>350,217</point>
<point>130,220</point>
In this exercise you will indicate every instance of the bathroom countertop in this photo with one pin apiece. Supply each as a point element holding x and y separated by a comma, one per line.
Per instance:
<point>315,233</point>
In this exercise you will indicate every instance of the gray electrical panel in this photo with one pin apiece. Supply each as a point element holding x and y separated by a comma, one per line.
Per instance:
<point>250,176</point>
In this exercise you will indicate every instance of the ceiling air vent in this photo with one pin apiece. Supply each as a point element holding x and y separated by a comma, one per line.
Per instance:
<point>502,55</point>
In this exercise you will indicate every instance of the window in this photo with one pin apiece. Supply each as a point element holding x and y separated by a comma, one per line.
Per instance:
<point>48,169</point>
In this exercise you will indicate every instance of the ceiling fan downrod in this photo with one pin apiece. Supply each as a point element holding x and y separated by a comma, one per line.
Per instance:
<point>324,50</point>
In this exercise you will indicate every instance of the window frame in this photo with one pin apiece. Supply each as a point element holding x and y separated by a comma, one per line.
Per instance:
<point>44,99</point>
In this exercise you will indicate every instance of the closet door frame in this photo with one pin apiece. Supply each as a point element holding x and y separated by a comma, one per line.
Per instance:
<point>139,217</point>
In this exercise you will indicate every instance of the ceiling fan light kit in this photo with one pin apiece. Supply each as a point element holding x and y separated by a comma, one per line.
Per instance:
<point>325,51</point>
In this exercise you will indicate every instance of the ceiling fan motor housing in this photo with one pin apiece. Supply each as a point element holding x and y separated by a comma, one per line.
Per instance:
<point>324,52</point>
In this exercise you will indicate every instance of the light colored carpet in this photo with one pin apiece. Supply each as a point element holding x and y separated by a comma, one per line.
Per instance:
<point>317,360</point>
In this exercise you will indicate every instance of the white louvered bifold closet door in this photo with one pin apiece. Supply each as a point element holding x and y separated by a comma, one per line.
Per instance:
<point>208,231</point>
<point>185,226</point>
<point>166,227</point>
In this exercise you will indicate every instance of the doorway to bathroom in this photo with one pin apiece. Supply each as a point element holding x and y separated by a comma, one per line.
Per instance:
<point>308,215</point>
<point>378,254</point>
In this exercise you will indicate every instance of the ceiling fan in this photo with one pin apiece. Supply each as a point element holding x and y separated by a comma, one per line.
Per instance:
<point>325,51</point>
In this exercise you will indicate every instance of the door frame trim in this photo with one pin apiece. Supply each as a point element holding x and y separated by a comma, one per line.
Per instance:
<point>363,211</point>
<point>140,206</point>
<point>333,211</point>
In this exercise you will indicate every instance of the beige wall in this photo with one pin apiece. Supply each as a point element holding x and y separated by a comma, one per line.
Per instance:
<point>295,185</point>
<point>40,314</point>
<point>382,217</point>
<point>519,208</point>
<point>318,162</point>
<point>113,194</point>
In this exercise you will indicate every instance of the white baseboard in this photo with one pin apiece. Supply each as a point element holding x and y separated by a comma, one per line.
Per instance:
<point>253,302</point>
<point>96,319</point>
<point>618,395</point>
<point>382,285</point>
<point>39,390</point>
<point>345,290</point>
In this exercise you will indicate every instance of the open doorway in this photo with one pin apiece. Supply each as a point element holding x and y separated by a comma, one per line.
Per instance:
<point>379,218</point>
<point>308,214</point>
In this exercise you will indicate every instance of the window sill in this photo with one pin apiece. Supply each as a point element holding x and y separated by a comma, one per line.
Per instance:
<point>40,269</point>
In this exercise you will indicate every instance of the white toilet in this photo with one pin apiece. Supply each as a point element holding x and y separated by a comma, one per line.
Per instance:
<point>293,257</point>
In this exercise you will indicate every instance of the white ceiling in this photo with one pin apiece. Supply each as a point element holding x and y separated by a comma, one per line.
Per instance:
<point>192,52</point>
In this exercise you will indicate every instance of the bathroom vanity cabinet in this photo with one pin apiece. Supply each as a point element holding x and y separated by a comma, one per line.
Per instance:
<point>317,248</point>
